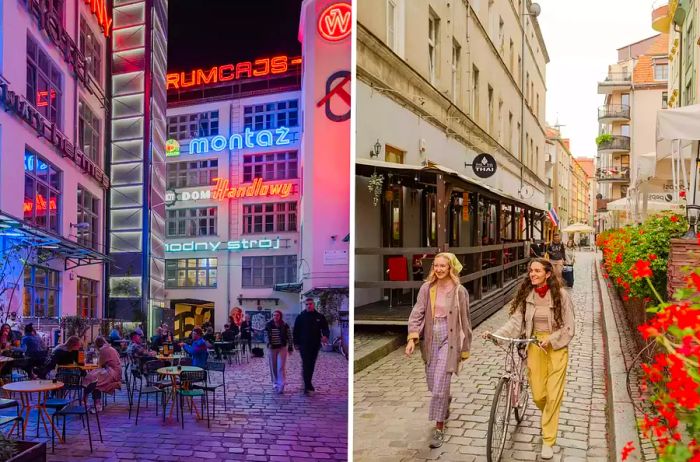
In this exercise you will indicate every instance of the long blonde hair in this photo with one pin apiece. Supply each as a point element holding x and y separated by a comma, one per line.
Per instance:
<point>454,275</point>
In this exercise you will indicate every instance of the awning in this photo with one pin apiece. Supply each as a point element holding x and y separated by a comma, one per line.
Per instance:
<point>625,204</point>
<point>75,255</point>
<point>293,288</point>
<point>682,123</point>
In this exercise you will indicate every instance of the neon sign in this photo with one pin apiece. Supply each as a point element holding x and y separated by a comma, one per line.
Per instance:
<point>231,246</point>
<point>228,72</point>
<point>249,139</point>
<point>99,9</point>
<point>42,97</point>
<point>172,148</point>
<point>222,190</point>
<point>335,22</point>
<point>41,205</point>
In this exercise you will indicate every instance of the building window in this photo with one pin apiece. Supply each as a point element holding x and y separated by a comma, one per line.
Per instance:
<point>272,166</point>
<point>433,37</point>
<point>475,93</point>
<point>89,132</point>
<point>91,49</point>
<point>262,272</point>
<point>88,212</point>
<point>661,71</point>
<point>625,130</point>
<point>191,222</point>
<point>57,7</point>
<point>269,217</point>
<point>625,99</point>
<point>44,82</point>
<point>42,193</point>
<point>391,12</point>
<point>271,115</point>
<point>190,272</point>
<point>41,289</point>
<point>192,173</point>
<point>490,113</point>
<point>664,100</point>
<point>510,132</point>
<point>456,70</point>
<point>87,298</point>
<point>200,125</point>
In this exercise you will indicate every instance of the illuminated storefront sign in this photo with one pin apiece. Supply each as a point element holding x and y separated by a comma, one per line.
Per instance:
<point>172,196</point>
<point>231,246</point>
<point>228,72</point>
<point>248,139</point>
<point>172,148</point>
<point>222,190</point>
<point>335,22</point>
<point>41,204</point>
<point>99,9</point>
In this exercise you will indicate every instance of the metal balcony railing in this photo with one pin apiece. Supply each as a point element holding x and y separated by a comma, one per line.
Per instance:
<point>614,111</point>
<point>618,77</point>
<point>617,143</point>
<point>613,174</point>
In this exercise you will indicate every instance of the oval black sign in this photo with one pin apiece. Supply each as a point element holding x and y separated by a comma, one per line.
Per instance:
<point>484,165</point>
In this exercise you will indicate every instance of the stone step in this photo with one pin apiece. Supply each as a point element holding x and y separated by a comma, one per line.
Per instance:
<point>373,343</point>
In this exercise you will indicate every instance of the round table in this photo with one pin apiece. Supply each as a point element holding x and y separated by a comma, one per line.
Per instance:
<point>174,373</point>
<point>26,389</point>
<point>84,367</point>
<point>170,357</point>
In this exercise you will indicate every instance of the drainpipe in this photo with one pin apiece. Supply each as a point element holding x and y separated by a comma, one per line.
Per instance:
<point>522,93</point>
<point>679,29</point>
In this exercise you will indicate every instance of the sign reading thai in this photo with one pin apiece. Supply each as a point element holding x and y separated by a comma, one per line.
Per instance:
<point>222,190</point>
<point>484,165</point>
<point>335,22</point>
<point>231,246</point>
<point>247,139</point>
<point>228,72</point>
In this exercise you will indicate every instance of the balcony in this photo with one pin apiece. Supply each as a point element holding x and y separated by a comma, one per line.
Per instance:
<point>613,174</point>
<point>613,113</point>
<point>618,143</point>
<point>615,81</point>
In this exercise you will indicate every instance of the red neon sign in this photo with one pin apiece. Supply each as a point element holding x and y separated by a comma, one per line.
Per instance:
<point>222,191</point>
<point>335,22</point>
<point>99,9</point>
<point>41,205</point>
<point>227,72</point>
<point>42,97</point>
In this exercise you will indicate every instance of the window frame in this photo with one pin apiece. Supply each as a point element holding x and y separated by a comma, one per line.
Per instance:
<point>91,48</point>
<point>269,114</point>
<point>282,217</point>
<point>30,287</point>
<point>89,297</point>
<point>191,173</point>
<point>43,182</point>
<point>283,270</point>
<point>193,125</point>
<point>259,165</point>
<point>188,225</point>
<point>88,208</point>
<point>179,269</point>
<point>89,127</point>
<point>53,109</point>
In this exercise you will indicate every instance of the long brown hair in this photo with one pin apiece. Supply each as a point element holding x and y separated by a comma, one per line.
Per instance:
<point>526,287</point>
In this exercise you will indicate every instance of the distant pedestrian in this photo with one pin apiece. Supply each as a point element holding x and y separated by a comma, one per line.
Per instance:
<point>556,253</point>
<point>310,330</point>
<point>246,331</point>
<point>542,308</point>
<point>279,344</point>
<point>440,318</point>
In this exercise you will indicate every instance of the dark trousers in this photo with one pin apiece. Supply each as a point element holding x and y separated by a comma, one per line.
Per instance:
<point>308,361</point>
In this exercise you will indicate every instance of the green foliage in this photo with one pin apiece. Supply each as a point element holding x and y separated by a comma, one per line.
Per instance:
<point>8,448</point>
<point>603,138</point>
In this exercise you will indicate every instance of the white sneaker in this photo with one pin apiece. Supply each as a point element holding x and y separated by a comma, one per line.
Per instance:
<point>547,451</point>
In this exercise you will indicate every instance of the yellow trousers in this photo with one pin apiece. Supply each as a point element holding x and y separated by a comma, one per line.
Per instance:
<point>547,373</point>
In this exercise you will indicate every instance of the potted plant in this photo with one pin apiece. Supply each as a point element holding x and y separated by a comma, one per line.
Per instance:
<point>21,451</point>
<point>603,138</point>
<point>375,187</point>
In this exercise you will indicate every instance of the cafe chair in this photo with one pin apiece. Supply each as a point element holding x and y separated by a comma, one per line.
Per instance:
<point>79,407</point>
<point>212,385</point>
<point>187,390</point>
<point>149,388</point>
<point>18,419</point>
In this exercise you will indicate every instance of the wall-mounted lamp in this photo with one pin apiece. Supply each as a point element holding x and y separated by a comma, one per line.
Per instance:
<point>377,149</point>
<point>84,225</point>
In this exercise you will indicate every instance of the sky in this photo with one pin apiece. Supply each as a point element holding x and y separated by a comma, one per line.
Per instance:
<point>582,39</point>
<point>205,33</point>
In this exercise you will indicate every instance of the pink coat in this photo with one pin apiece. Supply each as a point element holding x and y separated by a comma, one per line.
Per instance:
<point>109,375</point>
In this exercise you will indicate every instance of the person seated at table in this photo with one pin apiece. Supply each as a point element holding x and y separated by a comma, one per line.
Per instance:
<point>63,355</point>
<point>227,336</point>
<point>34,350</point>
<point>115,335</point>
<point>6,340</point>
<point>109,374</point>
<point>198,350</point>
<point>209,336</point>
<point>157,340</point>
<point>137,351</point>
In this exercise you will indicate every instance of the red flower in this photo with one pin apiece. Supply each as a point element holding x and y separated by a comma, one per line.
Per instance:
<point>695,279</point>
<point>652,256</point>
<point>605,275</point>
<point>626,298</point>
<point>674,218</point>
<point>618,259</point>
<point>682,194</point>
<point>629,448</point>
<point>641,269</point>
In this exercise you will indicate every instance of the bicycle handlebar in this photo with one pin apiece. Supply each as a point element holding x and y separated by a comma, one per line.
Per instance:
<point>514,340</point>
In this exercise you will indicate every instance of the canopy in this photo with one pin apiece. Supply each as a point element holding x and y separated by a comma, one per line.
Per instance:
<point>578,228</point>
<point>657,206</point>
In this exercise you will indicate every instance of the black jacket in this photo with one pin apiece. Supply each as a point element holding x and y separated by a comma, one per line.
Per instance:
<point>556,251</point>
<point>309,327</point>
<point>245,330</point>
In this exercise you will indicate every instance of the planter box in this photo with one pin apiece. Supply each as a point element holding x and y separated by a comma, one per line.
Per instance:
<point>683,253</point>
<point>30,451</point>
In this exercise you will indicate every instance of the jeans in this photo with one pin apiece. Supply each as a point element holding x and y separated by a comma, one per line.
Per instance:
<point>308,362</point>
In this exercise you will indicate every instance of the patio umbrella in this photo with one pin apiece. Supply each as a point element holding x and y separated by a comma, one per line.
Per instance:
<point>578,228</point>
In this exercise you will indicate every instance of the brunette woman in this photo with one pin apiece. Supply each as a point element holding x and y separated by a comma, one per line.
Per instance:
<point>440,321</point>
<point>542,308</point>
<point>5,337</point>
<point>279,343</point>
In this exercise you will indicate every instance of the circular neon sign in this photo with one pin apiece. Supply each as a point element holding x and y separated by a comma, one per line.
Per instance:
<point>335,22</point>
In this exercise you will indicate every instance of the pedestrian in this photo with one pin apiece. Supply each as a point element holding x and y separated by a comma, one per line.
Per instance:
<point>246,331</point>
<point>440,320</point>
<point>109,374</point>
<point>543,308</point>
<point>279,344</point>
<point>310,330</point>
<point>556,253</point>
<point>198,350</point>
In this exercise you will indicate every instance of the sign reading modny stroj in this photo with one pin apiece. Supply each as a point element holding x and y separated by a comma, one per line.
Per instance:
<point>231,246</point>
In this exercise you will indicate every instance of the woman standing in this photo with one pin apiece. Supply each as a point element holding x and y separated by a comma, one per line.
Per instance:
<point>109,375</point>
<point>279,344</point>
<point>441,319</point>
<point>543,308</point>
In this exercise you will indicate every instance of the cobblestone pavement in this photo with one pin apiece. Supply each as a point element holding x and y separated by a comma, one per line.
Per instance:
<point>391,398</point>
<point>259,425</point>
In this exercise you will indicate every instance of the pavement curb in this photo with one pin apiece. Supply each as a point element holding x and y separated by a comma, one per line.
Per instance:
<point>377,353</point>
<point>622,420</point>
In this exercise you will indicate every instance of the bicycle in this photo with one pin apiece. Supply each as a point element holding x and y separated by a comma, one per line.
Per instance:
<point>339,346</point>
<point>511,393</point>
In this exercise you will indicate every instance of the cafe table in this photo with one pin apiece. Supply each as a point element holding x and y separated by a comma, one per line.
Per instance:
<point>174,372</point>
<point>41,388</point>
<point>82,367</point>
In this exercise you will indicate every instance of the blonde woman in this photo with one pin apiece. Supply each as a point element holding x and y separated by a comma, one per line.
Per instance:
<point>440,321</point>
<point>543,308</point>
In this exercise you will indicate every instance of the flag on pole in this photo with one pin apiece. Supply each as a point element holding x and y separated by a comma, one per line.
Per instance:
<point>553,216</point>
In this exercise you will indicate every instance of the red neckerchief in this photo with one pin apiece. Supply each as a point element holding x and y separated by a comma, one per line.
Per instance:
<point>542,291</point>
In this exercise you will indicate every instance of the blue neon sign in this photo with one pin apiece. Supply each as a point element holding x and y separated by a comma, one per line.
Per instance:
<point>247,139</point>
<point>231,246</point>
<point>30,159</point>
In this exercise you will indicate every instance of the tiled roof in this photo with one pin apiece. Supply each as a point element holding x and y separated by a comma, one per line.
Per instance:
<point>586,164</point>
<point>644,69</point>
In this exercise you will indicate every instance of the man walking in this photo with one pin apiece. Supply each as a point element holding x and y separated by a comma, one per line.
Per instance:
<point>310,329</point>
<point>557,254</point>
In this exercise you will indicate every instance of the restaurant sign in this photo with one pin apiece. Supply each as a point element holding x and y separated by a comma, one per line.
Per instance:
<point>484,165</point>
<point>12,102</point>
<point>231,246</point>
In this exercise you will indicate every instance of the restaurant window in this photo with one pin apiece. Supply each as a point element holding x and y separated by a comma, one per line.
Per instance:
<point>89,132</point>
<point>192,173</point>
<point>44,83</point>
<point>392,216</point>
<point>42,193</point>
<point>270,217</point>
<point>191,222</point>
<point>91,49</point>
<point>199,125</point>
<point>88,212</point>
<point>87,297</point>
<point>191,273</point>
<point>271,166</point>
<point>506,223</point>
<point>41,290</point>
<point>264,272</point>
<point>391,154</point>
<point>271,115</point>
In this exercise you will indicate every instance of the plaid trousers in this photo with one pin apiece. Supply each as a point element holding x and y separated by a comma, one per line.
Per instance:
<point>438,378</point>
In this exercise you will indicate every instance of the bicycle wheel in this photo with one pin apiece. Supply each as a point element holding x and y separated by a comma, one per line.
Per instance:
<point>498,421</point>
<point>522,400</point>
